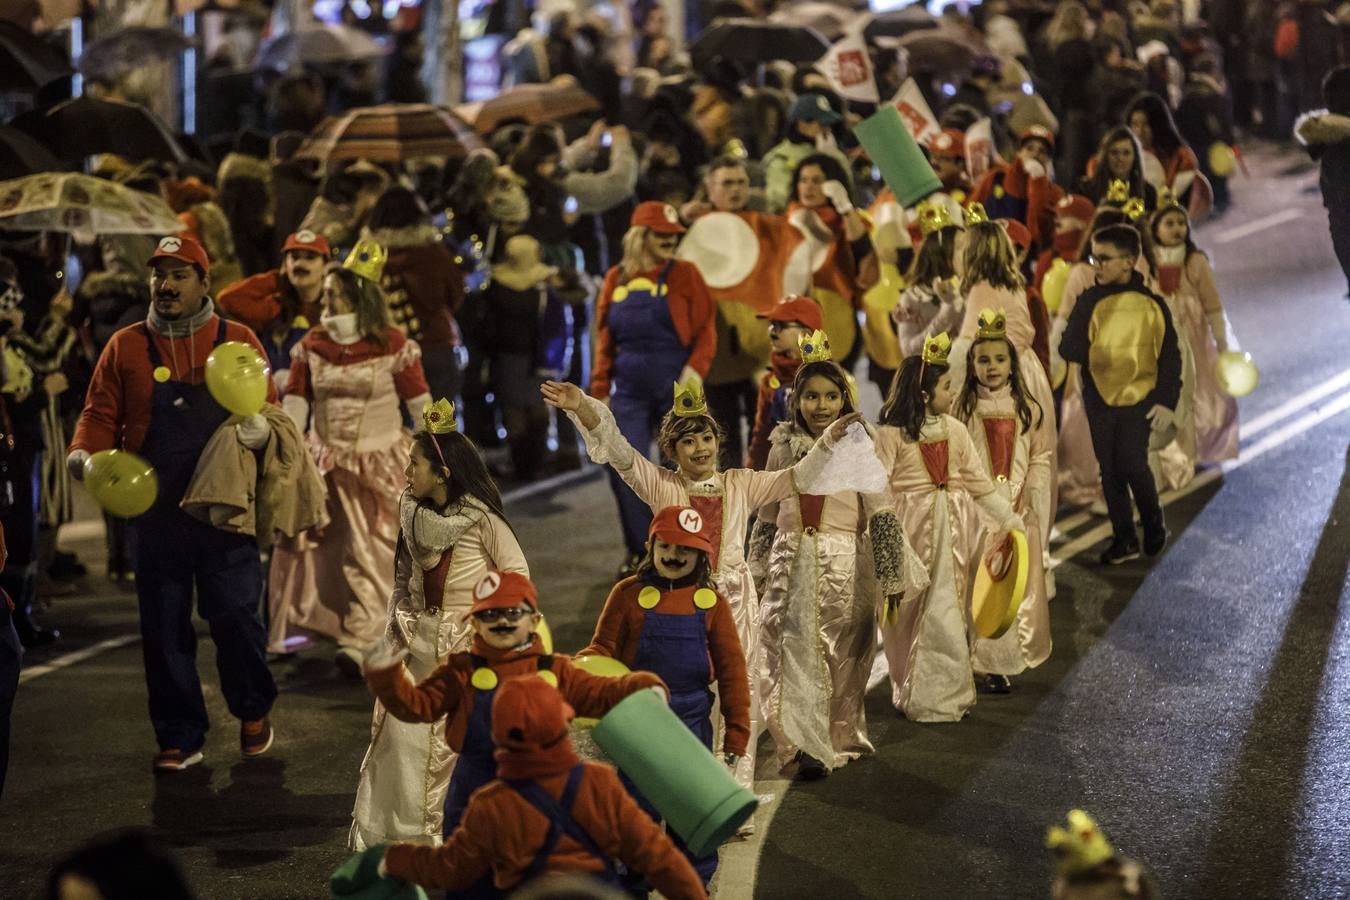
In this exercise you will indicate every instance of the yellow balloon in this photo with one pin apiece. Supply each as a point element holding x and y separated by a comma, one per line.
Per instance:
<point>237,377</point>
<point>122,483</point>
<point>600,665</point>
<point>545,635</point>
<point>1237,373</point>
<point>1052,286</point>
<point>1222,159</point>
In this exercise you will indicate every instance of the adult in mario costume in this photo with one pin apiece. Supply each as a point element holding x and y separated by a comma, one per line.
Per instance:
<point>148,395</point>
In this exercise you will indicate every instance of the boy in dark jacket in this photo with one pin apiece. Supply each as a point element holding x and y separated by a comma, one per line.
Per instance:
<point>1326,134</point>
<point>1121,334</point>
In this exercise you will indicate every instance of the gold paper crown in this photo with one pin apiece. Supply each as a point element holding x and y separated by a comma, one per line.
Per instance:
<point>975,214</point>
<point>367,259</point>
<point>1167,197</point>
<point>1134,208</point>
<point>933,216</point>
<point>1081,846</point>
<point>815,347</point>
<point>993,325</point>
<point>1118,191</point>
<point>439,417</point>
<point>936,349</point>
<point>689,400</point>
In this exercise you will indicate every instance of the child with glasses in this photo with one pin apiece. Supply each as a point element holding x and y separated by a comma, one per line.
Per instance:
<point>1122,337</point>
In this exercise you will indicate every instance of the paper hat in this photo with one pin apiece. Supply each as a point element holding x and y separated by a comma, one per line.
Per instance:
<point>367,259</point>
<point>689,400</point>
<point>892,149</point>
<point>815,347</point>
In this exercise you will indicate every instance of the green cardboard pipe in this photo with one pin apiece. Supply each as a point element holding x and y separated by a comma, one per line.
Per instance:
<point>689,787</point>
<point>892,150</point>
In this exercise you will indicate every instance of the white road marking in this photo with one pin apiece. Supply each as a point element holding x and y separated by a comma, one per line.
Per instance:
<point>1305,398</point>
<point>1257,225</point>
<point>70,659</point>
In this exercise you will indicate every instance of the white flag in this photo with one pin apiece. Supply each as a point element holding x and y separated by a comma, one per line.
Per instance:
<point>848,66</point>
<point>980,150</point>
<point>914,112</point>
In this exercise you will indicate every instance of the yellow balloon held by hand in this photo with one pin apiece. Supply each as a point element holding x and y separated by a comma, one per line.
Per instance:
<point>597,665</point>
<point>1237,373</point>
<point>1052,286</point>
<point>122,483</point>
<point>237,377</point>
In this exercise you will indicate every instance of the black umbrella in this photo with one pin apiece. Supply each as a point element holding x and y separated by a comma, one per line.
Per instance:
<point>86,125</point>
<point>128,49</point>
<point>753,40</point>
<point>20,155</point>
<point>26,62</point>
<point>900,22</point>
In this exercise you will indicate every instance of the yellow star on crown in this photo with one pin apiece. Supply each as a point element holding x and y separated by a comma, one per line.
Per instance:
<point>933,216</point>
<point>975,214</point>
<point>1167,197</point>
<point>439,417</point>
<point>689,400</point>
<point>1134,208</point>
<point>367,259</point>
<point>936,349</point>
<point>1081,846</point>
<point>814,347</point>
<point>993,325</point>
<point>1118,191</point>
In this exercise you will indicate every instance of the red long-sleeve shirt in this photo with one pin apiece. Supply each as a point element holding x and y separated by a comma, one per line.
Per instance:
<point>692,310</point>
<point>782,371</point>
<point>619,632</point>
<point>256,301</point>
<point>116,411</point>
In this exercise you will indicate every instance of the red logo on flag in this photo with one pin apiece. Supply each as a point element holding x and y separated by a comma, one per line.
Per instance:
<point>851,66</point>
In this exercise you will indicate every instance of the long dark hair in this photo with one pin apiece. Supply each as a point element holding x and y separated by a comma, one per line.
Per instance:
<point>1152,236</point>
<point>936,257</point>
<point>398,207</point>
<point>828,165</point>
<point>368,302</point>
<point>907,401</point>
<point>828,369</point>
<point>1022,399</point>
<point>1096,186</point>
<point>1166,139</point>
<point>463,468</point>
<point>701,576</point>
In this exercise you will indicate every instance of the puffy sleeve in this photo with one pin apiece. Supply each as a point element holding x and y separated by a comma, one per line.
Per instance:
<point>298,383</point>
<point>409,379</point>
<point>502,547</point>
<point>604,444</point>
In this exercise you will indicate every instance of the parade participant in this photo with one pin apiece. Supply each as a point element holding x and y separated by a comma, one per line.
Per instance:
<point>1121,335</point>
<point>1015,439</point>
<point>1326,135</point>
<point>655,325</point>
<point>1119,158</point>
<point>1024,190</point>
<point>818,635</point>
<point>689,437</point>
<point>148,395</point>
<point>934,471</point>
<point>355,372</point>
<point>1168,161</point>
<point>948,152</point>
<point>792,319</point>
<point>931,302</point>
<point>504,616</point>
<point>667,618</point>
<point>280,305</point>
<point>547,812</point>
<point>1072,213</point>
<point>452,531</point>
<point>1186,279</point>
<point>809,132</point>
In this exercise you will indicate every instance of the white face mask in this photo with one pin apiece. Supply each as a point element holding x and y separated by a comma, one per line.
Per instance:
<point>341,327</point>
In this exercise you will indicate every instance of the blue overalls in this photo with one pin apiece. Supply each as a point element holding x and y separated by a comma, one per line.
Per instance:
<point>675,647</point>
<point>648,359</point>
<point>179,552</point>
<point>559,815</point>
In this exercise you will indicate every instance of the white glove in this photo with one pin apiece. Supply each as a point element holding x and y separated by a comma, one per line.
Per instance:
<point>1218,325</point>
<point>688,374</point>
<point>75,461</point>
<point>253,432</point>
<point>297,408</point>
<point>838,197</point>
<point>1015,523</point>
<point>1160,418</point>
<point>1033,168</point>
<point>825,140</point>
<point>384,654</point>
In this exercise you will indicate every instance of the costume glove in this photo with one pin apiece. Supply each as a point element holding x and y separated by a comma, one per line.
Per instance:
<point>75,461</point>
<point>384,654</point>
<point>838,197</point>
<point>253,432</point>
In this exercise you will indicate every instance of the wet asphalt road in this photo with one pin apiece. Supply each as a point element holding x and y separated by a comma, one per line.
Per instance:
<point>1198,706</point>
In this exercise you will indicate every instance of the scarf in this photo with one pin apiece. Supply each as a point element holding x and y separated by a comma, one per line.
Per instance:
<point>428,533</point>
<point>177,328</point>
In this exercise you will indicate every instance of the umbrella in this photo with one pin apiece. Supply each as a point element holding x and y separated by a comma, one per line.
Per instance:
<point>82,205</point>
<point>830,19</point>
<point>899,23</point>
<point>939,50</point>
<point>390,133</point>
<point>128,49</point>
<point>26,61</point>
<point>558,99</point>
<point>87,125</point>
<point>326,44</point>
<point>755,41</point>
<point>21,155</point>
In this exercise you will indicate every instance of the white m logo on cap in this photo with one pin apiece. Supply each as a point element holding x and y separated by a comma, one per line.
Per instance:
<point>691,521</point>
<point>487,586</point>
<point>171,245</point>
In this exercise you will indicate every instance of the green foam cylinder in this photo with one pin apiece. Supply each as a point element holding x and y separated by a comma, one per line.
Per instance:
<point>893,150</point>
<point>689,787</point>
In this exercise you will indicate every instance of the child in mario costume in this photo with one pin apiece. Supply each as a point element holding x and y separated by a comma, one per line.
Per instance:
<point>791,319</point>
<point>546,812</point>
<point>668,619</point>
<point>505,614</point>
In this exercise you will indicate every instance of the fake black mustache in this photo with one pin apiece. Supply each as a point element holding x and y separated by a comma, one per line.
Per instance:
<point>671,563</point>
<point>502,629</point>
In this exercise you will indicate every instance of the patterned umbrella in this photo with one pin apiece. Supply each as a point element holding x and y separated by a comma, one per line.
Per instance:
<point>128,49</point>
<point>26,61</point>
<point>316,46</point>
<point>558,99</point>
<point>755,41</point>
<point>390,133</point>
<point>87,125</point>
<point>82,205</point>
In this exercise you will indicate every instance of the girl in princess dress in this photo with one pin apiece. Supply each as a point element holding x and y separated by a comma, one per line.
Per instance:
<point>934,472</point>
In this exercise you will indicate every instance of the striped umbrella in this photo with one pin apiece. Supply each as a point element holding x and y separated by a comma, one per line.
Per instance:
<point>390,133</point>
<point>530,103</point>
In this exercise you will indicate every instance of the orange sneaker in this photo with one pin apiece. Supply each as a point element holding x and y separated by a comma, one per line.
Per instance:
<point>255,736</point>
<point>175,760</point>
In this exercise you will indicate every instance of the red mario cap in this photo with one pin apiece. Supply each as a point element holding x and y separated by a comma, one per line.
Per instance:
<point>1037,133</point>
<point>183,249</point>
<point>658,216</point>
<point>1075,206</point>
<point>528,715</point>
<point>949,142</point>
<point>794,308</point>
<point>304,239</point>
<point>1018,233</point>
<point>681,526</point>
<point>503,590</point>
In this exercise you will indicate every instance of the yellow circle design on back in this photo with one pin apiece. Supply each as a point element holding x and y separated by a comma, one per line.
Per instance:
<point>162,374</point>
<point>774,382</point>
<point>549,677</point>
<point>620,294</point>
<point>484,679</point>
<point>649,597</point>
<point>705,598</point>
